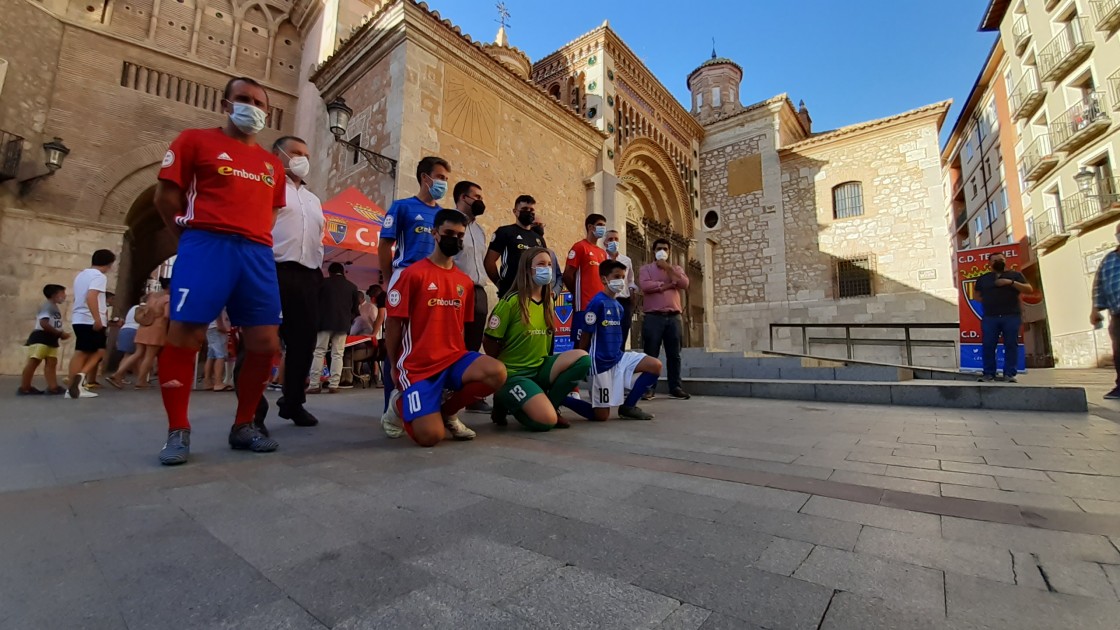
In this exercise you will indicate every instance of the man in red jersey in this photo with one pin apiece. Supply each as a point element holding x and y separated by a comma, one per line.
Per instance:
<point>430,301</point>
<point>581,274</point>
<point>219,191</point>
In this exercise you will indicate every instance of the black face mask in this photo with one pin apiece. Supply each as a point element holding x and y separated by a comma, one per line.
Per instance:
<point>478,208</point>
<point>538,230</point>
<point>999,266</point>
<point>526,217</point>
<point>450,245</point>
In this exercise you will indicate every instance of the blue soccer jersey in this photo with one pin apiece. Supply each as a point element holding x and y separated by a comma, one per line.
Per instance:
<point>410,223</point>
<point>603,321</point>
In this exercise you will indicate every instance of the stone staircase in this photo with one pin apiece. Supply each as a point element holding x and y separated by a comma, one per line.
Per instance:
<point>752,375</point>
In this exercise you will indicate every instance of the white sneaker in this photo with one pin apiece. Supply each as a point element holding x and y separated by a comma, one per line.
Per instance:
<point>458,430</point>
<point>77,389</point>
<point>391,423</point>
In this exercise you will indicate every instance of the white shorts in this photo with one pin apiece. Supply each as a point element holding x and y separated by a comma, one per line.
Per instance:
<point>608,389</point>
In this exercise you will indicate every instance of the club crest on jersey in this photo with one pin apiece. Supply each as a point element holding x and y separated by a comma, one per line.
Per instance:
<point>336,229</point>
<point>459,290</point>
<point>394,297</point>
<point>590,318</point>
<point>495,321</point>
<point>572,255</point>
<point>388,222</point>
<point>168,159</point>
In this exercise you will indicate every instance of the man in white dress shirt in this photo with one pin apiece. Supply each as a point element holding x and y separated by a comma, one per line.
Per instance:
<point>297,248</point>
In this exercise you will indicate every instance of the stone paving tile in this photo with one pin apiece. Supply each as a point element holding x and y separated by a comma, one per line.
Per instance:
<point>745,594</point>
<point>849,611</point>
<point>783,556</point>
<point>841,464</point>
<point>435,606</point>
<point>994,471</point>
<point>1074,546</point>
<point>1064,464</point>
<point>282,614</point>
<point>573,598</point>
<point>485,568</point>
<point>742,493</point>
<point>523,471</point>
<point>939,476</point>
<point>1026,499</point>
<point>687,617</point>
<point>341,583</point>
<point>901,585</point>
<point>998,605</point>
<point>804,527</point>
<point>1087,579</point>
<point>678,502</point>
<point>892,483</point>
<point>937,553</point>
<point>893,460</point>
<point>1027,572</point>
<point>702,538</point>
<point>938,455</point>
<point>1093,506</point>
<point>1113,573</point>
<point>878,516</point>
<point>1102,487</point>
<point>716,621</point>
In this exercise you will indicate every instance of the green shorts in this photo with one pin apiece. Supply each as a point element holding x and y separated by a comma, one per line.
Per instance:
<point>522,386</point>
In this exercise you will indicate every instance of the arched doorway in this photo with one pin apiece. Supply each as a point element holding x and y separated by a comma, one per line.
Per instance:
<point>658,206</point>
<point>147,244</point>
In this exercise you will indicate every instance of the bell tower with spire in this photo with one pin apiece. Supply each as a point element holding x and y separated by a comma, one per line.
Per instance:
<point>715,88</point>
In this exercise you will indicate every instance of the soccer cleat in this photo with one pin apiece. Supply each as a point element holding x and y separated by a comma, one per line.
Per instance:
<point>299,416</point>
<point>633,413</point>
<point>246,437</point>
<point>458,430</point>
<point>679,394</point>
<point>177,448</point>
<point>480,406</point>
<point>1113,395</point>
<point>391,423</point>
<point>561,421</point>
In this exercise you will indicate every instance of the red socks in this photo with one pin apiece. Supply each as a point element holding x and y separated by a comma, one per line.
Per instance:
<point>176,376</point>
<point>471,393</point>
<point>251,384</point>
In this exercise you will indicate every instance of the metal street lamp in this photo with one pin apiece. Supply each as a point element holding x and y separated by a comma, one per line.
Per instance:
<point>338,118</point>
<point>1084,179</point>
<point>55,152</point>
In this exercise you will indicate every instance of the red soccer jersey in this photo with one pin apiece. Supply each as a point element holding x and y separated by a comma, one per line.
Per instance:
<point>230,187</point>
<point>435,303</point>
<point>586,258</point>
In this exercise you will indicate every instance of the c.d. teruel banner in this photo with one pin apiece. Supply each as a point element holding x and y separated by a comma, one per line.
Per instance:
<point>970,265</point>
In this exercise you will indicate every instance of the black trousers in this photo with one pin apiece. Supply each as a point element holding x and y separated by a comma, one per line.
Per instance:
<point>299,299</point>
<point>472,331</point>
<point>658,328</point>
<point>627,318</point>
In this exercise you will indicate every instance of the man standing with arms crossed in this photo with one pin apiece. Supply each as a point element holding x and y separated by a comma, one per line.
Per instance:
<point>662,283</point>
<point>298,250</point>
<point>626,296</point>
<point>408,226</point>
<point>510,242</point>
<point>471,261</point>
<point>219,190</point>
<point>999,293</point>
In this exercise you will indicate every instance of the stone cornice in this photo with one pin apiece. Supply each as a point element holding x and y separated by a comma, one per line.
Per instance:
<point>913,117</point>
<point>31,215</point>
<point>304,13</point>
<point>414,22</point>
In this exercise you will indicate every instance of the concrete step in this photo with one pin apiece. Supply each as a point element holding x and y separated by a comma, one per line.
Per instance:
<point>784,371</point>
<point>955,395</point>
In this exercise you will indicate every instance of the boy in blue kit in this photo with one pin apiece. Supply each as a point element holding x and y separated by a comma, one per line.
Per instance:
<point>613,371</point>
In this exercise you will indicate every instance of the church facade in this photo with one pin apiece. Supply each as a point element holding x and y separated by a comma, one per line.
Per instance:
<point>774,222</point>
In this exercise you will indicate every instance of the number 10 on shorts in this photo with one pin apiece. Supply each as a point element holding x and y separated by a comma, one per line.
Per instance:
<point>414,402</point>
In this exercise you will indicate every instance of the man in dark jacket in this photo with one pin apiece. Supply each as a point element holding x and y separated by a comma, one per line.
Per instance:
<point>338,306</point>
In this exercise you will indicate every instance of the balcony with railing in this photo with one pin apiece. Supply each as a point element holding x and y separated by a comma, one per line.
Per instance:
<point>1085,209</point>
<point>1021,34</point>
<point>1050,4</point>
<point>1081,123</point>
<point>1039,159</point>
<point>1106,14</point>
<point>1069,47</point>
<point>11,150</point>
<point>1028,94</point>
<point>1047,229</point>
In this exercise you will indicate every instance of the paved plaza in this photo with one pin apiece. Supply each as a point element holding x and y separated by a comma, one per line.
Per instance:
<point>722,513</point>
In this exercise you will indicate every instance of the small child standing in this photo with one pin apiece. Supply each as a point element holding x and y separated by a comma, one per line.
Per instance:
<point>42,344</point>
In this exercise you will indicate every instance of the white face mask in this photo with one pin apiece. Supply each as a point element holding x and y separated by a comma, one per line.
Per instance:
<point>661,254</point>
<point>300,166</point>
<point>616,285</point>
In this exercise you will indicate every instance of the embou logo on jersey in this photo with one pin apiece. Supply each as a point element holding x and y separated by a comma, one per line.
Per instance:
<point>443,302</point>
<point>244,174</point>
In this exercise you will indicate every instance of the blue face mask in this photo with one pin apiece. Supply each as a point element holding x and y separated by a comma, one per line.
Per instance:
<point>612,247</point>
<point>600,231</point>
<point>250,120</point>
<point>438,189</point>
<point>542,275</point>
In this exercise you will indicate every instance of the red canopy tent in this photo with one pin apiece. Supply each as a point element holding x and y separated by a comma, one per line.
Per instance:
<point>350,234</point>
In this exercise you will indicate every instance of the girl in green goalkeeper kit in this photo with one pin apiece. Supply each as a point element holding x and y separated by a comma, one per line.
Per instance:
<point>519,334</point>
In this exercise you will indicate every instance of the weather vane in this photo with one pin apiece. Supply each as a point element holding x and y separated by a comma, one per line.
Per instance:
<point>503,15</point>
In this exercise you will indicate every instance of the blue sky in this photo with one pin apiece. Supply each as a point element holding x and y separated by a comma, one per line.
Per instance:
<point>850,60</point>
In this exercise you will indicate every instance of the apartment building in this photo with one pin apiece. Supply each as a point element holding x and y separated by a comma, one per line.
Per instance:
<point>1062,72</point>
<point>982,185</point>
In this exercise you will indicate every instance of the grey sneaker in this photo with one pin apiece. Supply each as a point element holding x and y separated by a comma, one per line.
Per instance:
<point>457,429</point>
<point>246,437</point>
<point>633,413</point>
<point>177,448</point>
<point>391,423</point>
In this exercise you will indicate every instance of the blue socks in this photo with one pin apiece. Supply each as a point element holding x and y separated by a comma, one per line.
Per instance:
<point>580,406</point>
<point>642,384</point>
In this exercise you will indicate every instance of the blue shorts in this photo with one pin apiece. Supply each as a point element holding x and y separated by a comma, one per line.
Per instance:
<point>426,397</point>
<point>126,340</point>
<point>216,344</point>
<point>214,270</point>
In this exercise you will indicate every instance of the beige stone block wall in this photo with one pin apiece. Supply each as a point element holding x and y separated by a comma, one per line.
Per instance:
<point>41,249</point>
